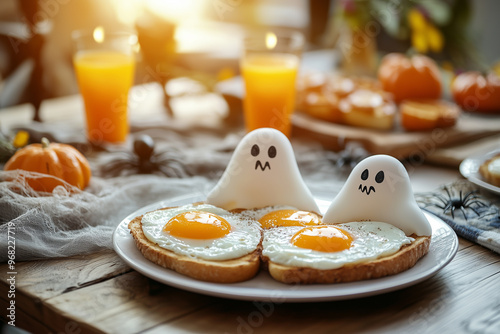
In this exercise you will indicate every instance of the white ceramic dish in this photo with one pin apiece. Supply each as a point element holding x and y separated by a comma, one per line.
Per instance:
<point>469,168</point>
<point>444,245</point>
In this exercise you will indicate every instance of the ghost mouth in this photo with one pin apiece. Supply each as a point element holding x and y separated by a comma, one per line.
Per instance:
<point>365,189</point>
<point>262,167</point>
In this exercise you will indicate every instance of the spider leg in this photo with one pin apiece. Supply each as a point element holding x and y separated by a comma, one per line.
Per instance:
<point>171,171</point>
<point>442,200</point>
<point>168,160</point>
<point>116,167</point>
<point>467,198</point>
<point>181,170</point>
<point>452,211</point>
<point>463,212</point>
<point>447,192</point>
<point>473,198</point>
<point>438,205</point>
<point>474,210</point>
<point>448,207</point>
<point>477,202</point>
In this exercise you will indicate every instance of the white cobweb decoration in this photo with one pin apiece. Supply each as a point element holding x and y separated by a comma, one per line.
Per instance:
<point>70,221</point>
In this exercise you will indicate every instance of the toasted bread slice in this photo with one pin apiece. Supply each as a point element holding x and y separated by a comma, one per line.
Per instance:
<point>227,271</point>
<point>398,262</point>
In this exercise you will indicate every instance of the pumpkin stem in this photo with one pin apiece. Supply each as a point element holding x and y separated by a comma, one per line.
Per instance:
<point>411,52</point>
<point>45,142</point>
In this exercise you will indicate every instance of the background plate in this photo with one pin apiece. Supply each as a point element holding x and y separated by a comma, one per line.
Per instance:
<point>444,245</point>
<point>398,143</point>
<point>469,168</point>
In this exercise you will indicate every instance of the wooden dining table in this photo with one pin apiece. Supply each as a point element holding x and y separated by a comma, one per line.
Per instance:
<point>101,293</point>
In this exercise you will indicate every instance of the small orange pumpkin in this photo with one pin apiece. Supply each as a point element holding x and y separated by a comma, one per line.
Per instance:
<point>474,91</point>
<point>416,77</point>
<point>59,160</point>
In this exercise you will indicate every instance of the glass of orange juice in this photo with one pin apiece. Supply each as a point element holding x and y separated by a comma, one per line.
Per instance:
<point>269,67</point>
<point>105,64</point>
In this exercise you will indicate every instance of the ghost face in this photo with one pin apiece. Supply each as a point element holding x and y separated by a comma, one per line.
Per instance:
<point>380,176</point>
<point>365,175</point>
<point>263,156</point>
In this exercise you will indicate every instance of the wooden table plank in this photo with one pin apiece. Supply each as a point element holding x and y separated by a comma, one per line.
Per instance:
<point>62,275</point>
<point>37,281</point>
<point>27,321</point>
<point>127,303</point>
<point>440,304</point>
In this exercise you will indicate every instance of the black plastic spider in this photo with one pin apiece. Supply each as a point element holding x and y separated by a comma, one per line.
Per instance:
<point>349,157</point>
<point>144,160</point>
<point>451,202</point>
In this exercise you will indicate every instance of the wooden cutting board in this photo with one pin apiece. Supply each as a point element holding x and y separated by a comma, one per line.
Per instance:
<point>398,143</point>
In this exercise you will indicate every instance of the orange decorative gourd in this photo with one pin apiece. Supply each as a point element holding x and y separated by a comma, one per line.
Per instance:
<point>59,160</point>
<point>474,91</point>
<point>416,77</point>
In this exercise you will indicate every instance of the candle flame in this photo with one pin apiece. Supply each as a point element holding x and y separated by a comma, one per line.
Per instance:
<point>99,34</point>
<point>271,40</point>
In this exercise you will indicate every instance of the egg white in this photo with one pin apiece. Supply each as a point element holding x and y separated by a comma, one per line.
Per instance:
<point>257,214</point>
<point>244,237</point>
<point>372,240</point>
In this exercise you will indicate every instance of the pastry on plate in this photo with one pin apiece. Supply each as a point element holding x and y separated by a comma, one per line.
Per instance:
<point>319,95</point>
<point>490,170</point>
<point>368,109</point>
<point>421,115</point>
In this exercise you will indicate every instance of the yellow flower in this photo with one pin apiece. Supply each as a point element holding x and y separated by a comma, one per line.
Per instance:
<point>424,34</point>
<point>419,41</point>
<point>434,38</point>
<point>416,19</point>
<point>21,139</point>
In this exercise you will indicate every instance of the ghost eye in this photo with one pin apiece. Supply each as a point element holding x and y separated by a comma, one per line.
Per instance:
<point>271,152</point>
<point>364,175</point>
<point>255,150</point>
<point>379,178</point>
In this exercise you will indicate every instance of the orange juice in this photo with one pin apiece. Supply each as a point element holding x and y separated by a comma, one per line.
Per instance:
<point>104,78</point>
<point>270,90</point>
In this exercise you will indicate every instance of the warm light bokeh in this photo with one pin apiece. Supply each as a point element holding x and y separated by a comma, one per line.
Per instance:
<point>98,34</point>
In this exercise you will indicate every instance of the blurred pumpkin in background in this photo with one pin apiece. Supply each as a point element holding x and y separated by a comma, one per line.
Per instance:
<point>474,91</point>
<point>415,77</point>
<point>60,160</point>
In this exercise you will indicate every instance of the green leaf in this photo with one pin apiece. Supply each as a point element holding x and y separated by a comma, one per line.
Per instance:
<point>387,16</point>
<point>439,11</point>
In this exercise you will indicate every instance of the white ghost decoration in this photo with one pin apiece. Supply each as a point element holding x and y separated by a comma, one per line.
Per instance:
<point>379,189</point>
<point>262,172</point>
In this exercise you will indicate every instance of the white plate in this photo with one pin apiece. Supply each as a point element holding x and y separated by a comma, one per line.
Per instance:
<point>444,245</point>
<point>469,168</point>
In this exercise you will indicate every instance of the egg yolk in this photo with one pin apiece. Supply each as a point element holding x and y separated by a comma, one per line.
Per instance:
<point>289,218</point>
<point>322,238</point>
<point>197,225</point>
